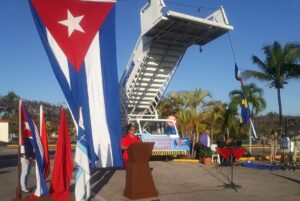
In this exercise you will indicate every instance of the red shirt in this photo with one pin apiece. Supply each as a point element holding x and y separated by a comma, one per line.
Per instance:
<point>128,140</point>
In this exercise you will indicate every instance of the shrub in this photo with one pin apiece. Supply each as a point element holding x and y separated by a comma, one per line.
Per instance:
<point>207,152</point>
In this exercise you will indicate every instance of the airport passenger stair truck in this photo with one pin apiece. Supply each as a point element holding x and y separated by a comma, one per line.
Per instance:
<point>164,39</point>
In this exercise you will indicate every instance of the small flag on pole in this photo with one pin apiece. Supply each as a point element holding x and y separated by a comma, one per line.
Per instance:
<point>39,153</point>
<point>237,74</point>
<point>63,163</point>
<point>44,138</point>
<point>82,186</point>
<point>244,111</point>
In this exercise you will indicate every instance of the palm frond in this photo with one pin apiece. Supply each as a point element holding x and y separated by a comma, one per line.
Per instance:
<point>262,65</point>
<point>294,71</point>
<point>256,74</point>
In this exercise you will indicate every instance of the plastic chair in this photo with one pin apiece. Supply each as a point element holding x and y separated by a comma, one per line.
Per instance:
<point>213,147</point>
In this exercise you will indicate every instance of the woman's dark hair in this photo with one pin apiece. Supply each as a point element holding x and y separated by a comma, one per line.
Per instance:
<point>129,126</point>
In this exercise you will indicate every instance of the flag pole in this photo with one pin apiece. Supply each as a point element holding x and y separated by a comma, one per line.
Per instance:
<point>250,141</point>
<point>18,188</point>
<point>41,111</point>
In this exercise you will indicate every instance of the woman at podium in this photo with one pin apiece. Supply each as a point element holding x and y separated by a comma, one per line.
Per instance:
<point>127,140</point>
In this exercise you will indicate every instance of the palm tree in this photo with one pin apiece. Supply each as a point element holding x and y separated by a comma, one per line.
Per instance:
<point>188,109</point>
<point>280,65</point>
<point>183,117</point>
<point>194,102</point>
<point>254,96</point>
<point>196,98</point>
<point>215,118</point>
<point>169,105</point>
<point>229,124</point>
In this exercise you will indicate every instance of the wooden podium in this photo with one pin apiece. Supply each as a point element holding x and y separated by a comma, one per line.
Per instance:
<point>139,180</point>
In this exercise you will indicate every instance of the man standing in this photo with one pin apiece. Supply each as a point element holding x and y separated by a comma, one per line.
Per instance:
<point>296,140</point>
<point>171,125</point>
<point>272,142</point>
<point>205,139</point>
<point>27,156</point>
<point>284,146</point>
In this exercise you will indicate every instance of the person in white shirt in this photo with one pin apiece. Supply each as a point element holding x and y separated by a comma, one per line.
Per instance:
<point>296,140</point>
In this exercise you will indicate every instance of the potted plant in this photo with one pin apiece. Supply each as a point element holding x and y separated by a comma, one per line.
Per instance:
<point>205,155</point>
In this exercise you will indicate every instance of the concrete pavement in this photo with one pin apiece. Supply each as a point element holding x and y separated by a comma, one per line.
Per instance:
<point>178,181</point>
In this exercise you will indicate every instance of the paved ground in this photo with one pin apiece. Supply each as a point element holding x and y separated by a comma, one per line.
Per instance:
<point>178,181</point>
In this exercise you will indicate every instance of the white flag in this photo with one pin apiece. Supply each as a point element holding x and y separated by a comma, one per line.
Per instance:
<point>82,186</point>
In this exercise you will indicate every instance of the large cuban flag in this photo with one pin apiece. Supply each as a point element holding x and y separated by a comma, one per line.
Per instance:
<point>79,38</point>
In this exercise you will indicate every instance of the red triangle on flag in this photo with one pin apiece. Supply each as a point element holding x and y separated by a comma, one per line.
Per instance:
<point>73,24</point>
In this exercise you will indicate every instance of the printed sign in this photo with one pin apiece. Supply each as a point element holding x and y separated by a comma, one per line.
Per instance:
<point>165,143</point>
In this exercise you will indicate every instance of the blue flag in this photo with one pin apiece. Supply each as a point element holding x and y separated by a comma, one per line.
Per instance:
<point>245,112</point>
<point>237,74</point>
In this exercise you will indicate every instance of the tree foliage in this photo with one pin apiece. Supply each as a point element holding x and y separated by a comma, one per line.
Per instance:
<point>280,64</point>
<point>254,96</point>
<point>9,104</point>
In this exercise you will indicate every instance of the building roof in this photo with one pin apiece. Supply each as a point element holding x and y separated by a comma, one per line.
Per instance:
<point>5,121</point>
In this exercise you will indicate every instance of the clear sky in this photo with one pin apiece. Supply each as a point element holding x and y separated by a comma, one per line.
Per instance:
<point>25,68</point>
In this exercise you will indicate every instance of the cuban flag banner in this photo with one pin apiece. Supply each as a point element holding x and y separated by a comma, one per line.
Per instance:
<point>39,154</point>
<point>79,38</point>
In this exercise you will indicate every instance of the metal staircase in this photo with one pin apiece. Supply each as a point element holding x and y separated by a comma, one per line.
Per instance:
<point>163,41</point>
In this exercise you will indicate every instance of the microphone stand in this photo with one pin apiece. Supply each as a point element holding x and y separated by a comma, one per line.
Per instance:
<point>232,185</point>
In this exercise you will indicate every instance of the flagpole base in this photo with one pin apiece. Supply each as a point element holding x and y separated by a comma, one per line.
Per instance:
<point>232,185</point>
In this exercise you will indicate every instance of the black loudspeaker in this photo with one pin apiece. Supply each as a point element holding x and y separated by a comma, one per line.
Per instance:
<point>290,126</point>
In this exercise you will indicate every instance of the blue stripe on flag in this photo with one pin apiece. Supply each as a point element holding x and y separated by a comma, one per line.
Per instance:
<point>79,171</point>
<point>110,85</point>
<point>79,89</point>
<point>82,147</point>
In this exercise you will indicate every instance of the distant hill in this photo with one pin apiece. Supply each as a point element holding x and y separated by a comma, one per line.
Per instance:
<point>266,123</point>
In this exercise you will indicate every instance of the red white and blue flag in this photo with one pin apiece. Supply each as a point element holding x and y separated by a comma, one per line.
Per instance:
<point>79,38</point>
<point>237,74</point>
<point>39,152</point>
<point>44,139</point>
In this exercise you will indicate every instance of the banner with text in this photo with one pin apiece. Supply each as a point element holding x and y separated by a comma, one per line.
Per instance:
<point>165,143</point>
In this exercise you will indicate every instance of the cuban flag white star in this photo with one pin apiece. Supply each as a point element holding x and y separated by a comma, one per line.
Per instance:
<point>73,23</point>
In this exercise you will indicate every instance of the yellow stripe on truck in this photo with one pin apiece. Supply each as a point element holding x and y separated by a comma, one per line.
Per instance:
<point>168,153</point>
